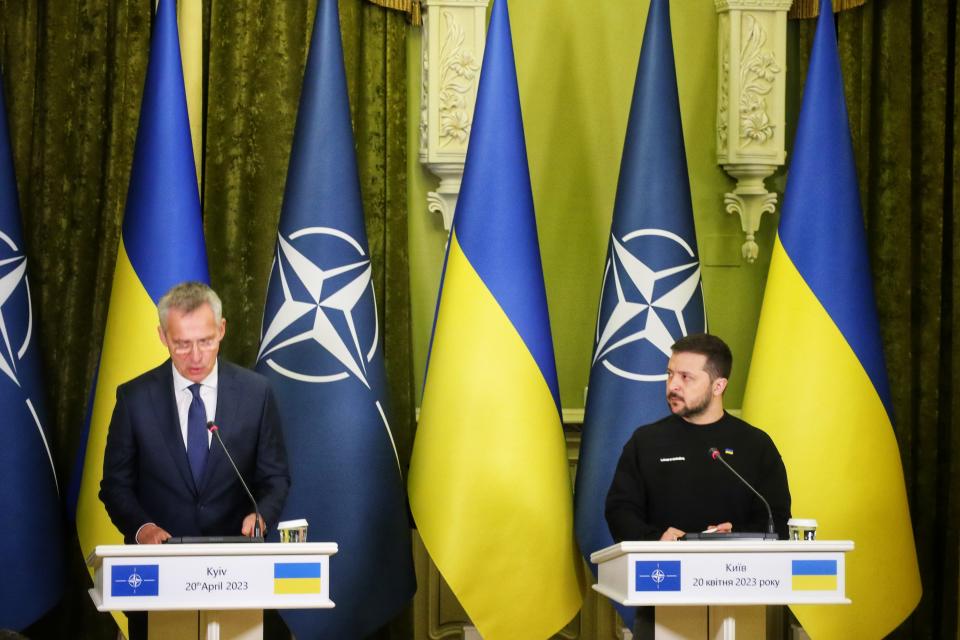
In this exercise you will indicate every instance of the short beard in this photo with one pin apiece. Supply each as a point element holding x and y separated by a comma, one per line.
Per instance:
<point>692,411</point>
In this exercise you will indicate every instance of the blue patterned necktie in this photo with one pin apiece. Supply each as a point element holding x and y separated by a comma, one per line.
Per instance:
<point>198,446</point>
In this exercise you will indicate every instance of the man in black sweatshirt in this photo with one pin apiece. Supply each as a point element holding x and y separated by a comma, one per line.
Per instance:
<point>667,483</point>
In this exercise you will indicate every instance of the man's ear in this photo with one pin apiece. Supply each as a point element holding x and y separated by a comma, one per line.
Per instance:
<point>719,386</point>
<point>162,335</point>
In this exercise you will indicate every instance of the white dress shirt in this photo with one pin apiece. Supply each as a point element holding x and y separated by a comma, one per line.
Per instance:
<point>183,395</point>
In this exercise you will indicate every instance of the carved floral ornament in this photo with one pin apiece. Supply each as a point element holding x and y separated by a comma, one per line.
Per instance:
<point>723,97</point>
<point>758,72</point>
<point>459,71</point>
<point>452,49</point>
<point>751,106</point>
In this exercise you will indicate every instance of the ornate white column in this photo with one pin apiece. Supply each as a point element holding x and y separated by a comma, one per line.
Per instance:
<point>453,39</point>
<point>750,106</point>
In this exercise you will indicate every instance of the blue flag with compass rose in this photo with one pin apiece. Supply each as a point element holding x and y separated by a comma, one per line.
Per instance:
<point>321,349</point>
<point>651,294</point>
<point>31,553</point>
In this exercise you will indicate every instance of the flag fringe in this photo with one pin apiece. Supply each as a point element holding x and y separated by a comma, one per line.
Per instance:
<point>410,7</point>
<point>803,9</point>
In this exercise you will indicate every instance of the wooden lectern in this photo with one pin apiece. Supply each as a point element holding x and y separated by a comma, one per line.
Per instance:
<point>716,589</point>
<point>211,591</point>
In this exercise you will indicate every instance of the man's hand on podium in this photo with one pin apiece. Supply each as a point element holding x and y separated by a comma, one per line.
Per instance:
<point>247,528</point>
<point>151,534</point>
<point>723,527</point>
<point>672,534</point>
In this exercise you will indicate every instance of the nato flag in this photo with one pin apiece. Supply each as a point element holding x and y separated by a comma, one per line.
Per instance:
<point>31,553</point>
<point>321,349</point>
<point>651,294</point>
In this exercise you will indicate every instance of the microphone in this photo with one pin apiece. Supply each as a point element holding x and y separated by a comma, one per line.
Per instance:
<point>215,430</point>
<point>715,454</point>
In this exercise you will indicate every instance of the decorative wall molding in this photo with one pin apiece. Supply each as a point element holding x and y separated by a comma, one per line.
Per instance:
<point>765,5</point>
<point>751,116</point>
<point>758,70</point>
<point>459,73</point>
<point>451,55</point>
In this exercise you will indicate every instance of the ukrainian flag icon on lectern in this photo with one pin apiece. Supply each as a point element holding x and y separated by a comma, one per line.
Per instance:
<point>661,575</point>
<point>296,577</point>
<point>814,575</point>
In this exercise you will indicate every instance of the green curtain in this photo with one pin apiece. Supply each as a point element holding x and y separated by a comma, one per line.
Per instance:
<point>73,75</point>
<point>899,60</point>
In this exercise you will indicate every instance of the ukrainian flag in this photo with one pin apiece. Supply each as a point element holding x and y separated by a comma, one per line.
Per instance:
<point>814,575</point>
<point>296,577</point>
<point>161,244</point>
<point>817,382</point>
<point>489,486</point>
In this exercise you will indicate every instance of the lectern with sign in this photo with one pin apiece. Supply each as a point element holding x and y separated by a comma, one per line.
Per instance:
<point>721,587</point>
<point>220,589</point>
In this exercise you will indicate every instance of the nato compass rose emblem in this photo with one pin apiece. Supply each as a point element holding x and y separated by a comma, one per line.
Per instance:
<point>321,321</point>
<point>327,310</point>
<point>16,323</point>
<point>135,581</point>
<point>655,575</point>
<point>131,580</point>
<point>646,304</point>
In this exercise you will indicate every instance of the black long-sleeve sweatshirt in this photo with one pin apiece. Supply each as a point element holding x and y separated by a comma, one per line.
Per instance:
<point>667,478</point>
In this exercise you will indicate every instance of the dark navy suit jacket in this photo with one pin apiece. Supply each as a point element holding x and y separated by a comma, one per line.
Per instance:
<point>146,475</point>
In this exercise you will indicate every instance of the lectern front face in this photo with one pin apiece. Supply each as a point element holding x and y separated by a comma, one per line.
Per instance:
<point>709,573</point>
<point>212,579</point>
<point>731,578</point>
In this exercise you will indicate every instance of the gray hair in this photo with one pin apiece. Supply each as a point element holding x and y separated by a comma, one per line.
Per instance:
<point>187,297</point>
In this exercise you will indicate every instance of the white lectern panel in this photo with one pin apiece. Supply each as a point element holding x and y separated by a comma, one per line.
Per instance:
<point>736,572</point>
<point>212,576</point>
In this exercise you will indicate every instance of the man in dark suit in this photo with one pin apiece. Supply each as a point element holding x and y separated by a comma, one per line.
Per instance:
<point>162,474</point>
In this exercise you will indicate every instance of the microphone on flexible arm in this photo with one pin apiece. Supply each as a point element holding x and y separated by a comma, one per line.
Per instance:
<point>771,530</point>
<point>215,430</point>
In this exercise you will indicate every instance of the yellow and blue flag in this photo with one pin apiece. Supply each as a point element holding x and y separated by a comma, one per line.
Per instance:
<point>489,485</point>
<point>161,244</point>
<point>31,555</point>
<point>818,383</point>
<point>297,577</point>
<point>322,351</point>
<point>651,294</point>
<point>813,575</point>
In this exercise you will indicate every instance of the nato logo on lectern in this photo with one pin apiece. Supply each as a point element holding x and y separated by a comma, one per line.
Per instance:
<point>649,280</point>
<point>658,575</point>
<point>327,309</point>
<point>135,580</point>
